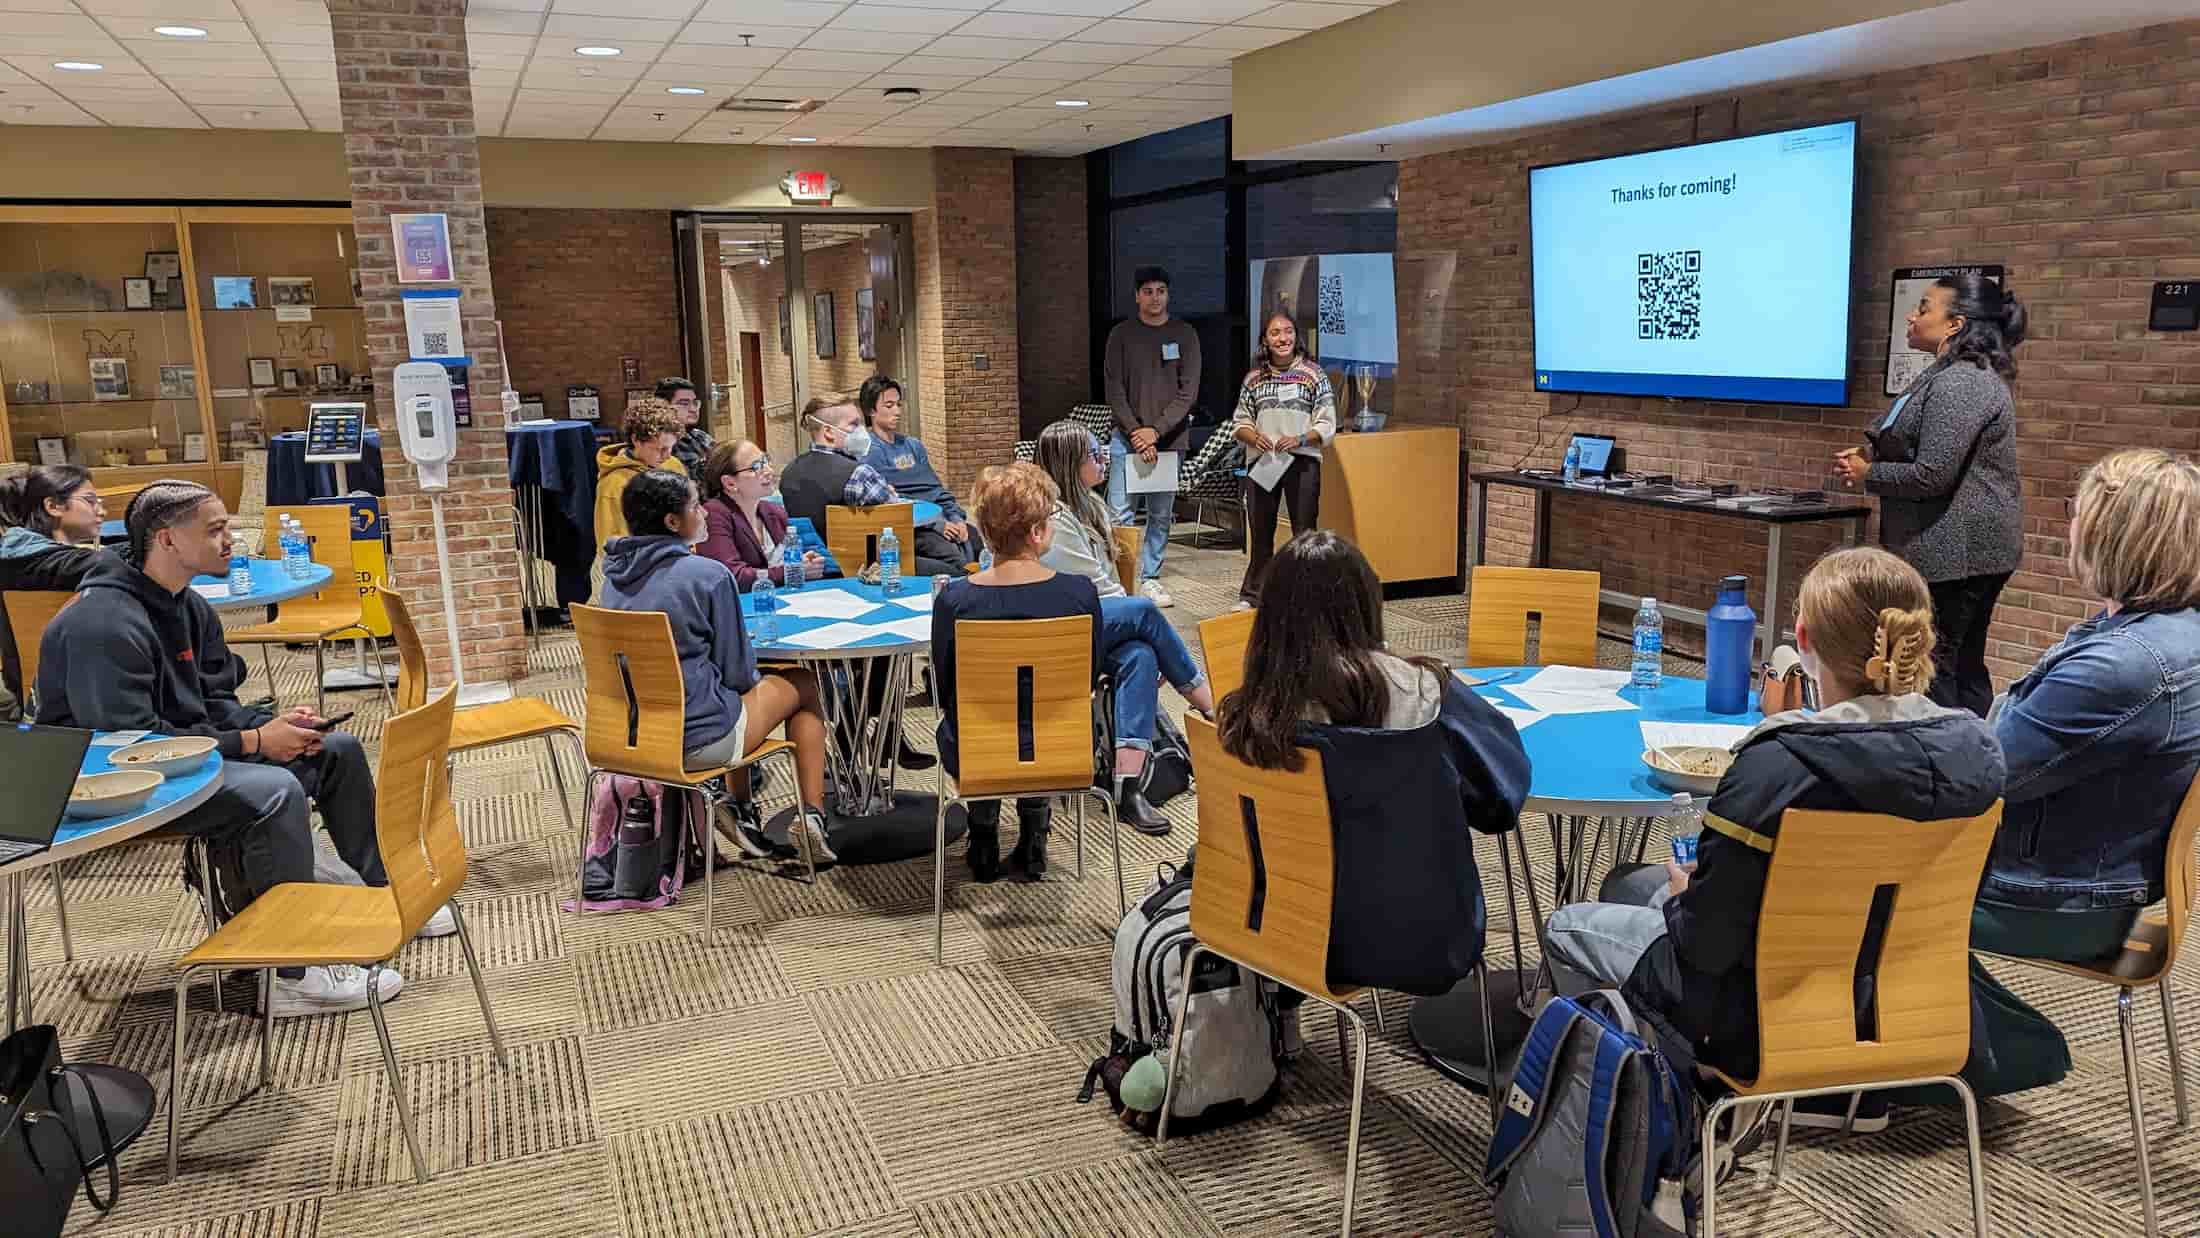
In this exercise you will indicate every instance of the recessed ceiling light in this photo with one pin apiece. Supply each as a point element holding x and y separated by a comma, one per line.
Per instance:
<point>1073,103</point>
<point>180,32</point>
<point>802,139</point>
<point>683,90</point>
<point>595,51</point>
<point>78,66</point>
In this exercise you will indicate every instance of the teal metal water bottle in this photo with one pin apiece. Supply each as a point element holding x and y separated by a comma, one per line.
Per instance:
<point>1730,629</point>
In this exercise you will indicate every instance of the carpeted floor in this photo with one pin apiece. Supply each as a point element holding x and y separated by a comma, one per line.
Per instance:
<point>808,1070</point>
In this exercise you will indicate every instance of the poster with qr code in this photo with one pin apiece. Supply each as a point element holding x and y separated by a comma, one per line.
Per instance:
<point>434,330</point>
<point>1905,363</point>
<point>1345,306</point>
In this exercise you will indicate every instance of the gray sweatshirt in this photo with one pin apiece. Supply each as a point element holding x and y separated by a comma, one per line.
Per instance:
<point>1147,386</point>
<point>1077,551</point>
<point>699,598</point>
<point>1944,465</point>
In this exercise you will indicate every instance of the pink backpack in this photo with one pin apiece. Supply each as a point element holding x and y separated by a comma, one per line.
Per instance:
<point>637,853</point>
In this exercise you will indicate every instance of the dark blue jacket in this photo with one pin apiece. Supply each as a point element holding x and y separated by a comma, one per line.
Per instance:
<point>2102,740</point>
<point>1408,912</point>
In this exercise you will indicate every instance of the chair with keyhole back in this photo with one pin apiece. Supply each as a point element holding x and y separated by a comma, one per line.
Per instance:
<point>1264,897</point>
<point>1500,600</point>
<point>852,533</point>
<point>637,722</point>
<point>2149,956</point>
<point>311,924</point>
<point>1222,642</point>
<point>1029,717</point>
<point>334,613</point>
<point>1127,539</point>
<point>513,721</point>
<point>1829,869</point>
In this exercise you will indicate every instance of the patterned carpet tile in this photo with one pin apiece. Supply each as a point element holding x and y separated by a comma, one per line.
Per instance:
<point>909,1026</point>
<point>1288,1179</point>
<point>467,1110</point>
<point>643,1075</point>
<point>794,1166</point>
<point>672,977</point>
<point>572,1191</point>
<point>1134,1195</point>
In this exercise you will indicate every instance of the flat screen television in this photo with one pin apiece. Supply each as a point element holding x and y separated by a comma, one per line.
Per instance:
<point>1715,271</point>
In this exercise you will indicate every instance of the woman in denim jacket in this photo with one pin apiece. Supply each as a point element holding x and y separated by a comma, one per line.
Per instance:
<point>2102,738</point>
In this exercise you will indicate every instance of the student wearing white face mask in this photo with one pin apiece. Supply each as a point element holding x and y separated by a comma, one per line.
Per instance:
<point>832,473</point>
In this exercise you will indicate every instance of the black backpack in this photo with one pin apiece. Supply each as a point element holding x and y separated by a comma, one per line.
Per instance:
<point>1168,766</point>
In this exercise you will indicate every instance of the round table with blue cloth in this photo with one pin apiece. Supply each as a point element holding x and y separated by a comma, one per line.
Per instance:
<point>1584,767</point>
<point>291,482</point>
<point>552,468</point>
<point>272,583</point>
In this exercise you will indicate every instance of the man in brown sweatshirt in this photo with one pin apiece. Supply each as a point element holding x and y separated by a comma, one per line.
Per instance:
<point>1152,376</point>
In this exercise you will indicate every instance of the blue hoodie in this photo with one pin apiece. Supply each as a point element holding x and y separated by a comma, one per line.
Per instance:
<point>659,572</point>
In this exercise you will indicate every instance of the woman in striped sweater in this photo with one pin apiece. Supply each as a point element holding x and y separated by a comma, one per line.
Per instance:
<point>1285,413</point>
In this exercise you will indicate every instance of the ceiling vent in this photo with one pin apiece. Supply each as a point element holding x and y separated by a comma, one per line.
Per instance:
<point>773,107</point>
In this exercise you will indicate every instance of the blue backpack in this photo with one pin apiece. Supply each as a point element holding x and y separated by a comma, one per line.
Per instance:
<point>1594,1123</point>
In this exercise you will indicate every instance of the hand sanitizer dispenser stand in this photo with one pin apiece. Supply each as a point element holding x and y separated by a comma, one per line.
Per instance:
<point>427,429</point>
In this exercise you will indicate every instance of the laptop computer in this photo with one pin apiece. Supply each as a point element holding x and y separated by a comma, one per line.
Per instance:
<point>1596,454</point>
<point>38,766</point>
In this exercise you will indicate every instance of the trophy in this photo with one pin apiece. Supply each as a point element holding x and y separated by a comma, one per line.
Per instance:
<point>1363,379</point>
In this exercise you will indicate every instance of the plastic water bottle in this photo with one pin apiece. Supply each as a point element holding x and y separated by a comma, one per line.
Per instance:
<point>889,563</point>
<point>240,575</point>
<point>790,562</point>
<point>985,559</point>
<point>1730,629</point>
<point>1685,823</point>
<point>1572,470</point>
<point>766,597</point>
<point>1649,645</point>
<point>295,557</point>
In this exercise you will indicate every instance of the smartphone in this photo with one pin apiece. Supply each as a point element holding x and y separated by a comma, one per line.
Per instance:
<point>330,724</point>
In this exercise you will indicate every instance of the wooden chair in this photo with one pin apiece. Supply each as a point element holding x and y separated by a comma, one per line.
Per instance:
<point>1500,599</point>
<point>1262,897</point>
<point>2149,956</point>
<point>1222,642</point>
<point>1004,667</point>
<point>29,611</point>
<point>851,534</point>
<point>1825,876</point>
<point>248,524</point>
<point>304,924</point>
<point>1127,539</point>
<point>513,721</point>
<point>333,613</point>
<point>637,720</point>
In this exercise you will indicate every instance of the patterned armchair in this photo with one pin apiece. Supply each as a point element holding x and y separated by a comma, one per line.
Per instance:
<point>1212,478</point>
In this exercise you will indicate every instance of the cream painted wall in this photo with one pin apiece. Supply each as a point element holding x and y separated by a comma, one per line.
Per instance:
<point>165,165</point>
<point>1421,58</point>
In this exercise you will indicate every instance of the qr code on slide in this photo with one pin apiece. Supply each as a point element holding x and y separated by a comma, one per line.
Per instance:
<point>1331,320</point>
<point>438,342</point>
<point>1669,295</point>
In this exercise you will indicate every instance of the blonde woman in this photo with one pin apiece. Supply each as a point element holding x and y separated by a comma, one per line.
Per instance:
<point>2103,736</point>
<point>1682,943</point>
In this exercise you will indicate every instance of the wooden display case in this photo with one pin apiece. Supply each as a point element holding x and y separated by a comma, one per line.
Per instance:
<point>107,364</point>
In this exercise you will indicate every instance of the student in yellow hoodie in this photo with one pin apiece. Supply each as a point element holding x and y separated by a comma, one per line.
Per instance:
<point>652,426</point>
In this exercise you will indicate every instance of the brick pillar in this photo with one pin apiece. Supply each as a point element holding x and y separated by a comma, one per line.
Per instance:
<point>966,279</point>
<point>409,139</point>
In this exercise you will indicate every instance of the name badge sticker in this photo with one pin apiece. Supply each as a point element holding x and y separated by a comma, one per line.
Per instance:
<point>1896,411</point>
<point>1171,351</point>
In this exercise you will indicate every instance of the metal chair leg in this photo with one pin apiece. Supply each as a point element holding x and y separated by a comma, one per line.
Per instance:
<point>1176,1037</point>
<point>1780,1142</point>
<point>1978,1155</point>
<point>1708,1164</point>
<point>1352,1138</point>
<point>939,866</point>
<point>710,862</point>
<point>580,863</point>
<point>389,1065</point>
<point>68,939</point>
<point>267,1024</point>
<point>204,865</point>
<point>1481,974</point>
<point>2176,1054</point>
<point>2138,1108</point>
<point>481,991</point>
<point>267,663</point>
<point>320,678</point>
<point>382,676</point>
<point>175,1066</point>
<point>1381,1025</point>
<point>1080,836</point>
<point>557,779</point>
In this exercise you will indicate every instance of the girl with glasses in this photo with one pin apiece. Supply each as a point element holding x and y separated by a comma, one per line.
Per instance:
<point>49,537</point>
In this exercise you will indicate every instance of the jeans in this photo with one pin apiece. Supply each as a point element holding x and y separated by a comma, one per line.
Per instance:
<point>1160,509</point>
<point>1962,609</point>
<point>1299,489</point>
<point>941,555</point>
<point>1141,648</point>
<point>261,806</point>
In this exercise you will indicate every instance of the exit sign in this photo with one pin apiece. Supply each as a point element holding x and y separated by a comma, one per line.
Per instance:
<point>817,187</point>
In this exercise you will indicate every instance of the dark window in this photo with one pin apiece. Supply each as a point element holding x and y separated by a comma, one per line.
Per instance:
<point>1349,212</point>
<point>1165,160</point>
<point>1181,234</point>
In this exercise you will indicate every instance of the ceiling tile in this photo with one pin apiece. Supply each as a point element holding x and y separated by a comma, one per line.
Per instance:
<point>855,108</point>
<point>663,77</point>
<point>516,6</point>
<point>1036,69</point>
<point>710,76</point>
<point>810,83</point>
<point>968,66</point>
<point>1300,15</point>
<point>479,59</point>
<point>1246,38</point>
<point>53,26</point>
<point>44,112</point>
<point>203,58</point>
<point>1095,55</point>
<point>1136,73</point>
<point>615,31</point>
<point>942,113</point>
<point>1012,87</point>
<point>1198,10</point>
<point>1094,88</point>
<point>558,50</point>
<point>294,33</point>
<point>985,47</point>
<point>666,10</point>
<point>499,21</point>
<point>1073,8</point>
<point>146,115</point>
<point>222,116</point>
<point>40,6</point>
<point>1190,56</point>
<point>1151,33</point>
<point>500,44</point>
<point>1024,25</point>
<point>769,12</point>
<point>931,82</point>
<point>760,37</point>
<point>127,28</point>
<point>897,17</point>
<point>897,41</point>
<point>1213,77</point>
<point>844,62</point>
<point>243,91</point>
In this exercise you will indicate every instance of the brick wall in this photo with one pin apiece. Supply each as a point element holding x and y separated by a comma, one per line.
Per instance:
<point>1053,291</point>
<point>2076,165</point>
<point>581,289</point>
<point>966,306</point>
<point>401,74</point>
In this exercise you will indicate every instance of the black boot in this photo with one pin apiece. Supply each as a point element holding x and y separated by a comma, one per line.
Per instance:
<point>910,758</point>
<point>1032,827</point>
<point>1132,810</point>
<point>985,842</point>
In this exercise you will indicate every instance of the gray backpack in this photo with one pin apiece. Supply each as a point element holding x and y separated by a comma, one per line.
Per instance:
<point>1227,1067</point>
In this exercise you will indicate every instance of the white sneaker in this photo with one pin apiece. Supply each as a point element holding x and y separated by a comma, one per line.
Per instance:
<point>329,990</point>
<point>821,847</point>
<point>1242,604</point>
<point>1159,596</point>
<point>441,924</point>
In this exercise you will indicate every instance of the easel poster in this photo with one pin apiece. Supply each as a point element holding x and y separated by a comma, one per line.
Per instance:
<point>1905,363</point>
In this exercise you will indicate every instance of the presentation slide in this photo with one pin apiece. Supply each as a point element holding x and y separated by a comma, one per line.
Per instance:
<point>1715,271</point>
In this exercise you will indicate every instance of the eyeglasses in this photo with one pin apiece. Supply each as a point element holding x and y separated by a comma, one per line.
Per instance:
<point>763,464</point>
